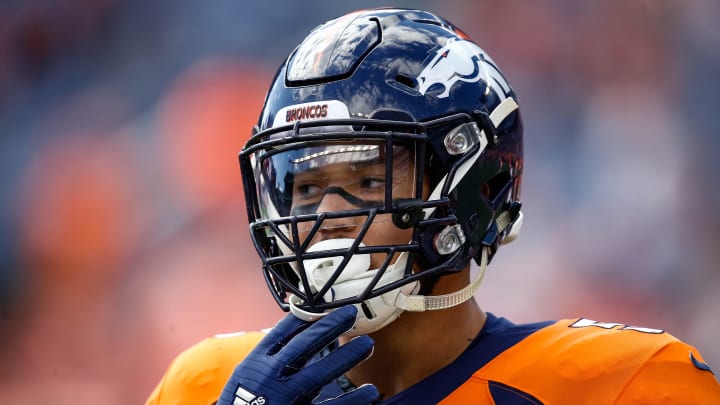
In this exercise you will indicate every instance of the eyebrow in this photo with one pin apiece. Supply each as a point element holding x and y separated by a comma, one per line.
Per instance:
<point>360,166</point>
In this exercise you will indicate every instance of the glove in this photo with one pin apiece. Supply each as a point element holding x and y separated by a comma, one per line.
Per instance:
<point>277,372</point>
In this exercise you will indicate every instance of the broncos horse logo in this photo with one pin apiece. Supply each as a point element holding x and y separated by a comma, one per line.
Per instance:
<point>461,60</point>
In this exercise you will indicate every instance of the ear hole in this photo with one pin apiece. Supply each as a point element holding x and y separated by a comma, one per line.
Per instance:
<point>496,186</point>
<point>405,80</point>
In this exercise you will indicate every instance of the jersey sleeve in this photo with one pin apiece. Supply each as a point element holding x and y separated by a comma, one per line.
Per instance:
<point>676,374</point>
<point>198,375</point>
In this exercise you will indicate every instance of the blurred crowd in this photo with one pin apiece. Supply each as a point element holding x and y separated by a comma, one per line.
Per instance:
<point>123,233</point>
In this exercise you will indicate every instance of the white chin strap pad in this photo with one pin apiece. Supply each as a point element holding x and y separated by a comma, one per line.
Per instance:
<point>514,230</point>
<point>374,313</point>
<point>387,307</point>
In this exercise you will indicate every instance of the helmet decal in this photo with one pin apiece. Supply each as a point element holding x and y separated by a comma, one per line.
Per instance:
<point>461,60</point>
<point>310,112</point>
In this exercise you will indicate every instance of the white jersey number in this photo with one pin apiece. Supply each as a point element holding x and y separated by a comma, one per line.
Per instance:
<point>582,323</point>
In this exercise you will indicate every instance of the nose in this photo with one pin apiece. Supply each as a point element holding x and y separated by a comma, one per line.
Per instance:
<point>342,227</point>
<point>335,199</point>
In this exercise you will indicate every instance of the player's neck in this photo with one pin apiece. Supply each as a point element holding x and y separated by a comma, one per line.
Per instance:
<point>416,345</point>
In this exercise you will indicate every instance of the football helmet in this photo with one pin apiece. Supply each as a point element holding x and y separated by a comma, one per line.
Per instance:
<point>388,153</point>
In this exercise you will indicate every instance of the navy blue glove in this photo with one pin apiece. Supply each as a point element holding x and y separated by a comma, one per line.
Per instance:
<point>277,372</point>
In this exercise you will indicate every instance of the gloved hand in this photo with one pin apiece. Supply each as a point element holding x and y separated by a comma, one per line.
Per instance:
<point>276,373</point>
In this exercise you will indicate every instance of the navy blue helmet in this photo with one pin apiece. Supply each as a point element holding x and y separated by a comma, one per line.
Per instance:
<point>388,154</point>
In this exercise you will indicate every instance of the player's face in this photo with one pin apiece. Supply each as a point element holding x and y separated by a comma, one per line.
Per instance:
<point>342,178</point>
<point>356,182</point>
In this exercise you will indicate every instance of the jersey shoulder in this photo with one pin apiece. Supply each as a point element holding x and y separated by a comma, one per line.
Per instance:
<point>581,358</point>
<point>198,374</point>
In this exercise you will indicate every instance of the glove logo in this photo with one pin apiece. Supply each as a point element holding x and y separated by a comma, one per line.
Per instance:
<point>461,60</point>
<point>245,397</point>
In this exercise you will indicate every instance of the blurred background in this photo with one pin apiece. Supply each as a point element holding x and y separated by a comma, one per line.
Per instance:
<point>123,235</point>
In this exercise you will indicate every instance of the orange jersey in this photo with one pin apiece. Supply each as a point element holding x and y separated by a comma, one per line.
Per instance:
<point>565,362</point>
<point>198,375</point>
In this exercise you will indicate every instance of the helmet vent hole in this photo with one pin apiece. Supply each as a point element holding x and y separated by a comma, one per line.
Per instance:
<point>405,80</point>
<point>427,21</point>
<point>496,187</point>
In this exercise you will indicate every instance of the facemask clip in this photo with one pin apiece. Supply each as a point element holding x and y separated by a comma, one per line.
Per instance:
<point>407,212</point>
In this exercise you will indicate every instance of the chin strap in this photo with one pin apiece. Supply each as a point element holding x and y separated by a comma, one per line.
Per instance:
<point>419,303</point>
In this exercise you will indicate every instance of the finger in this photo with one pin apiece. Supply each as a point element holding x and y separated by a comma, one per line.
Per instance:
<point>281,334</point>
<point>364,394</point>
<point>336,363</point>
<point>321,333</point>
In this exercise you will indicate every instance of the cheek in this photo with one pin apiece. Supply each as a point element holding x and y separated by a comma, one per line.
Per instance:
<point>385,233</point>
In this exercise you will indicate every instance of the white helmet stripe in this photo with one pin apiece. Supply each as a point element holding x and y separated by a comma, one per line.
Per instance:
<point>497,116</point>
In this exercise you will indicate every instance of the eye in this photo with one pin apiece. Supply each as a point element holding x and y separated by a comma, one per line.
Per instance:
<point>372,183</point>
<point>308,190</point>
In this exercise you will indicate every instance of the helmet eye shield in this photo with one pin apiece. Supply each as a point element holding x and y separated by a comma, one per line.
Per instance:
<point>342,175</point>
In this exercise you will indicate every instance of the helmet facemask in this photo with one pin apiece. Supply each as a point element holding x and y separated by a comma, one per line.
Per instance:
<point>322,192</point>
<point>326,202</point>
